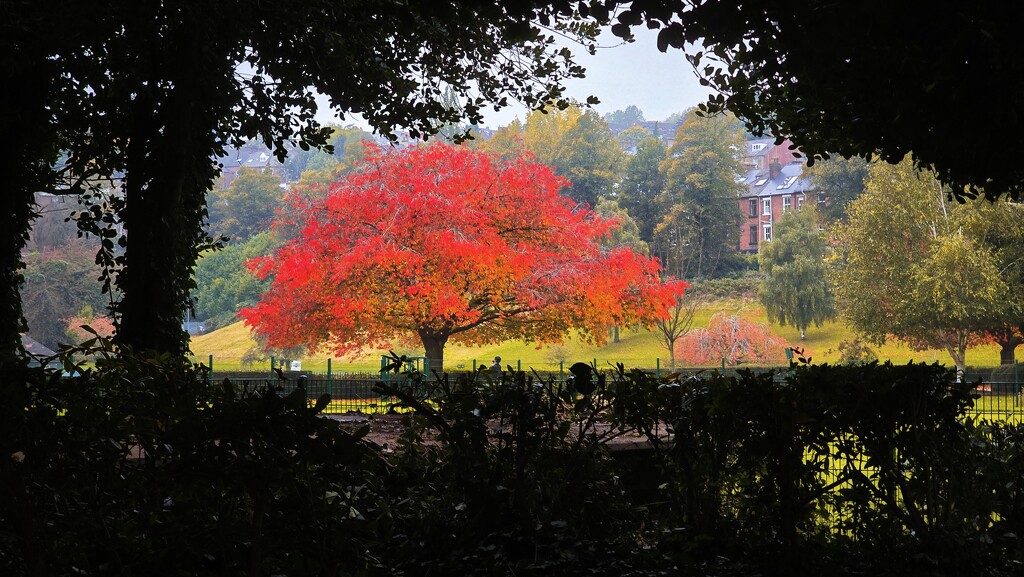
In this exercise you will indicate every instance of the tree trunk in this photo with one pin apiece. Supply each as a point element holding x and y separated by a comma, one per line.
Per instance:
<point>17,204</point>
<point>1008,349</point>
<point>959,355</point>
<point>169,171</point>
<point>615,334</point>
<point>26,167</point>
<point>433,344</point>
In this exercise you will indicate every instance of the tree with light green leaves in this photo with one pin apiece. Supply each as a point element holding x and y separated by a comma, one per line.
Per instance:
<point>631,137</point>
<point>631,116</point>
<point>841,181</point>
<point>247,206</point>
<point>796,289</point>
<point>642,182</point>
<point>699,208</point>
<point>577,143</point>
<point>906,267</point>
<point>223,282</point>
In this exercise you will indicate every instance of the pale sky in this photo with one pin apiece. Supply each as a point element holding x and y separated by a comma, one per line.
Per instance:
<point>619,75</point>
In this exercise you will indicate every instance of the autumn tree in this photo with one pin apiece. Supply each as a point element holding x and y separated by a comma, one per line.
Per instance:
<point>732,339</point>
<point>626,234</point>
<point>152,91</point>
<point>700,215</point>
<point>905,267</point>
<point>796,288</point>
<point>441,243</point>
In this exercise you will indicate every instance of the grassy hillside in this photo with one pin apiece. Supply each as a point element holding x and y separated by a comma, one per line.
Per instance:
<point>637,348</point>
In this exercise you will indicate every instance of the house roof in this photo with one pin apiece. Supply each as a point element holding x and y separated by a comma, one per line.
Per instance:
<point>789,180</point>
<point>38,354</point>
<point>35,348</point>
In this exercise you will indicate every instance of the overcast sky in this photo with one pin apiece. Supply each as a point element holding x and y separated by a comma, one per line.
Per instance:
<point>619,75</point>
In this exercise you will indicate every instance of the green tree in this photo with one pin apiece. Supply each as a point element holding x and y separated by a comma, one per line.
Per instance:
<point>905,268</point>
<point>590,158</point>
<point>630,138</point>
<point>841,181</point>
<point>580,147</point>
<point>508,142</point>
<point>248,204</point>
<point>224,284</point>
<point>641,184</point>
<point>627,235</point>
<point>631,116</point>
<point>796,289</point>
<point>999,226</point>
<point>700,212</point>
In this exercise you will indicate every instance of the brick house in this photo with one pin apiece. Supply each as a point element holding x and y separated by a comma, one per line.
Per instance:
<point>774,184</point>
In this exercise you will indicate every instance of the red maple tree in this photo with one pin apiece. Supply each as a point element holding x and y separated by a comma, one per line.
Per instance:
<point>440,243</point>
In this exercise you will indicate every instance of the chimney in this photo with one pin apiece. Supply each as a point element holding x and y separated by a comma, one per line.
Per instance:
<point>774,168</point>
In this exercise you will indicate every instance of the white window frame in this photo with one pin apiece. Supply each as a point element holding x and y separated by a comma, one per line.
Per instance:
<point>767,232</point>
<point>766,205</point>
<point>787,203</point>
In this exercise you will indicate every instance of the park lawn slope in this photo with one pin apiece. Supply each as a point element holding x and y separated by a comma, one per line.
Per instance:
<point>636,348</point>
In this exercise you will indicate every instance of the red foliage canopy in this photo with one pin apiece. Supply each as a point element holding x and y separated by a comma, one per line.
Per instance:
<point>440,242</point>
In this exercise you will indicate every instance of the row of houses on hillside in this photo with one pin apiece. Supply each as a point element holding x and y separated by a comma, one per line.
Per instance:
<point>774,183</point>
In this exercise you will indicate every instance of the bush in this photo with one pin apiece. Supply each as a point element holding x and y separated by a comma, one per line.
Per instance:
<point>742,287</point>
<point>856,352</point>
<point>140,467</point>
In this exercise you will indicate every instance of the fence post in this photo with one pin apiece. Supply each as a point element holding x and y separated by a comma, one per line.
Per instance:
<point>328,371</point>
<point>723,365</point>
<point>1016,383</point>
<point>657,368</point>
<point>211,369</point>
<point>273,363</point>
<point>519,366</point>
<point>561,371</point>
<point>474,365</point>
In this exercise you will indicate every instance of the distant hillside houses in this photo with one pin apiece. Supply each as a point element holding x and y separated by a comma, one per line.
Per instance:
<point>774,183</point>
<point>253,154</point>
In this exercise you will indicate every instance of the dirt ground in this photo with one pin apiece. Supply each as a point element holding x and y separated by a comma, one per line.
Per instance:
<point>385,430</point>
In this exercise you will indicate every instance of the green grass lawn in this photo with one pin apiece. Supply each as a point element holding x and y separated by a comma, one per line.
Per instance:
<point>636,348</point>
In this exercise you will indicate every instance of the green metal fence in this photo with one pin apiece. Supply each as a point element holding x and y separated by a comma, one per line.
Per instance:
<point>999,390</point>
